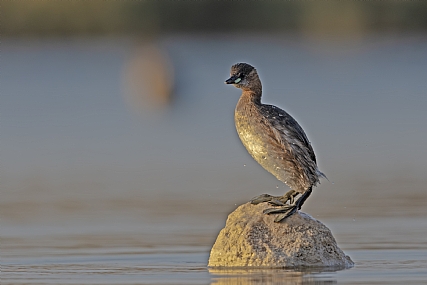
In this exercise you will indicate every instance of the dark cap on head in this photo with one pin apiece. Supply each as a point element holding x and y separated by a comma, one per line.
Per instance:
<point>238,72</point>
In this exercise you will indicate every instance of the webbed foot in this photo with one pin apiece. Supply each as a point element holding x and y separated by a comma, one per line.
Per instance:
<point>275,200</point>
<point>285,210</point>
<point>262,198</point>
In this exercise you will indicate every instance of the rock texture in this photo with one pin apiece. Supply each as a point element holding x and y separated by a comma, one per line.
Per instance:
<point>252,239</point>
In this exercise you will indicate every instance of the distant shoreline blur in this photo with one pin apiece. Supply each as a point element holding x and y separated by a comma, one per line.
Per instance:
<point>153,18</point>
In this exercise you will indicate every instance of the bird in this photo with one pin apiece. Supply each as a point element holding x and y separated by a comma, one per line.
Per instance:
<point>276,141</point>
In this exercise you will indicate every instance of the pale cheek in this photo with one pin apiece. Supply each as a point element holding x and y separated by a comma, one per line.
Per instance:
<point>243,83</point>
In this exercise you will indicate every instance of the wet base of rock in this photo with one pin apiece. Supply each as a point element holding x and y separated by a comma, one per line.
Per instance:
<point>252,239</point>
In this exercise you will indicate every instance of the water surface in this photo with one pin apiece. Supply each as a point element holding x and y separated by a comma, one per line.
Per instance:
<point>97,190</point>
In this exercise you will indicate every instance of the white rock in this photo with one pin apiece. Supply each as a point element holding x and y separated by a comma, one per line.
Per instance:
<point>252,239</point>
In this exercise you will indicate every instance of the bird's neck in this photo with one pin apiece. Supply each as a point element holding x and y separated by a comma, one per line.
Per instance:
<point>252,95</point>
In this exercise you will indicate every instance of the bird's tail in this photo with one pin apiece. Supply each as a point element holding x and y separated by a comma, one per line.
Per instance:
<point>321,174</point>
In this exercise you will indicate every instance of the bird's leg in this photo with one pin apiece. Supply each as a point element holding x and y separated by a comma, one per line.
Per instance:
<point>285,211</point>
<point>275,200</point>
<point>302,199</point>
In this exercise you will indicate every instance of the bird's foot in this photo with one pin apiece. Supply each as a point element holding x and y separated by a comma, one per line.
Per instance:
<point>275,200</point>
<point>282,211</point>
<point>288,210</point>
<point>262,198</point>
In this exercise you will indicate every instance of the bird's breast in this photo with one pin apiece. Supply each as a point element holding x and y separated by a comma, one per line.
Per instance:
<point>275,147</point>
<point>258,138</point>
<point>250,128</point>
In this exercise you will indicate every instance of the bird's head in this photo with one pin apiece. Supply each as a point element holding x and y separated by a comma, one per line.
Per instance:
<point>244,76</point>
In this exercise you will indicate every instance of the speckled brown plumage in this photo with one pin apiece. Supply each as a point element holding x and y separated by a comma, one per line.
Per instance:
<point>272,137</point>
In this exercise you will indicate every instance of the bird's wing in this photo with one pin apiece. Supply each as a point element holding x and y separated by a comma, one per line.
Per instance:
<point>287,131</point>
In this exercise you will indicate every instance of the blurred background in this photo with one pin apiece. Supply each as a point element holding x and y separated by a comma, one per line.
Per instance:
<point>117,129</point>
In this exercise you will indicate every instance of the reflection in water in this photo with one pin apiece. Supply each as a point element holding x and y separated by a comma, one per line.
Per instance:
<point>271,276</point>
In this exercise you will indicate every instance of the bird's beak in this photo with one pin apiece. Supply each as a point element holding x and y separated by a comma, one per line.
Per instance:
<point>232,80</point>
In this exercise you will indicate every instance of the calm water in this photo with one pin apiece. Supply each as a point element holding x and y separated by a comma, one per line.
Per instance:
<point>100,186</point>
